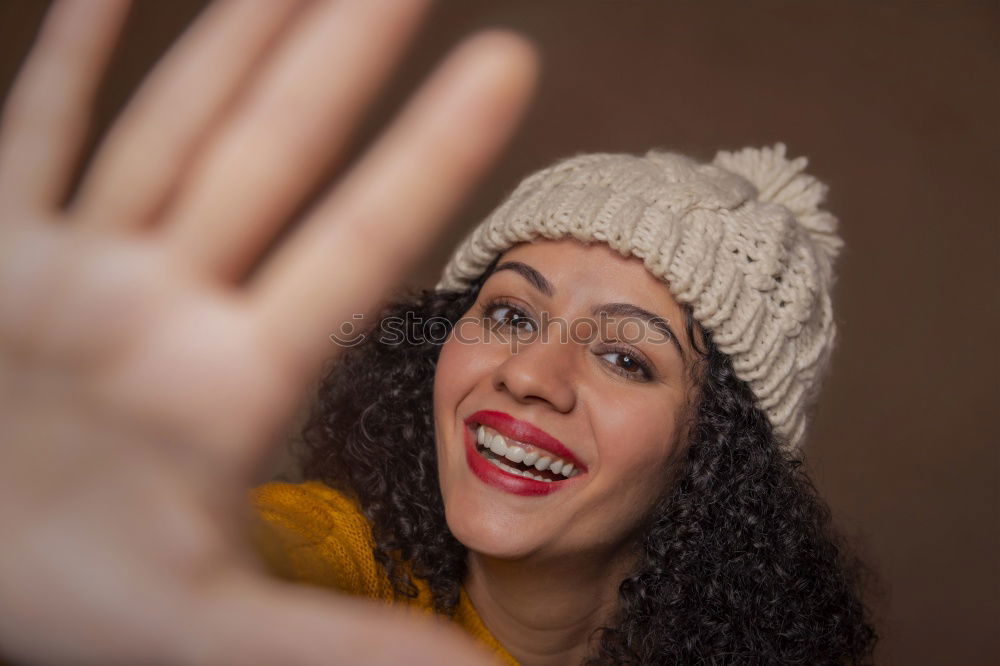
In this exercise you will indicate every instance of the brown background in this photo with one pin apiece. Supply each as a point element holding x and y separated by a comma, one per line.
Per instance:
<point>896,104</point>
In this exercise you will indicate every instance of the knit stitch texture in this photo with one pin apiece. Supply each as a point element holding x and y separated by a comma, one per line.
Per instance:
<point>742,240</point>
<point>312,534</point>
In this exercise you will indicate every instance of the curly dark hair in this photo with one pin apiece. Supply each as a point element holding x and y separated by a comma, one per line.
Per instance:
<point>738,563</point>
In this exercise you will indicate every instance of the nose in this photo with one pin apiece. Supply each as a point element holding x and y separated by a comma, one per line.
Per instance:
<point>539,371</point>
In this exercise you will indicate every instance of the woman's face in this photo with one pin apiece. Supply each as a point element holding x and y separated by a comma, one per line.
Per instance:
<point>566,355</point>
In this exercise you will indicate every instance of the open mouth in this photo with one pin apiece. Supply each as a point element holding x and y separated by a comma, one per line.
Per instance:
<point>519,458</point>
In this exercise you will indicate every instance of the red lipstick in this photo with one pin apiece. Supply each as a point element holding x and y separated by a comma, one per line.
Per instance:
<point>522,431</point>
<point>492,475</point>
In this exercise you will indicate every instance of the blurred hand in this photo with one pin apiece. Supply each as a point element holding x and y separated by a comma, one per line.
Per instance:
<point>149,357</point>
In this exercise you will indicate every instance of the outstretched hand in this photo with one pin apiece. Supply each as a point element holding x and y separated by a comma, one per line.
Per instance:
<point>149,358</point>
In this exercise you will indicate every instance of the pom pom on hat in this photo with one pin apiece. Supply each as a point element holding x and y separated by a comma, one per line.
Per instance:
<point>783,181</point>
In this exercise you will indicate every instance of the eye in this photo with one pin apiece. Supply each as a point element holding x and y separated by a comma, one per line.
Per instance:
<point>628,364</point>
<point>504,313</point>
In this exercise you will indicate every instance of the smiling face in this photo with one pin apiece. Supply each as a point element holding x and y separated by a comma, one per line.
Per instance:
<point>536,362</point>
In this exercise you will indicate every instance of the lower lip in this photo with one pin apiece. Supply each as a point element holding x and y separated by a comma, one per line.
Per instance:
<point>492,475</point>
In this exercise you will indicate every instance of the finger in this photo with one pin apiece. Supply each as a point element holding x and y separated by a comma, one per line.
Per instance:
<point>296,118</point>
<point>390,207</point>
<point>46,115</point>
<point>155,138</point>
<point>275,623</point>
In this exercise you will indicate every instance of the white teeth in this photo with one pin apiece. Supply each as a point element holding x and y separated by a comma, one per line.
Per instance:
<point>515,454</point>
<point>513,470</point>
<point>498,445</point>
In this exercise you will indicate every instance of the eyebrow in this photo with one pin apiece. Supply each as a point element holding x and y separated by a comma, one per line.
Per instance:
<point>539,282</point>
<point>536,279</point>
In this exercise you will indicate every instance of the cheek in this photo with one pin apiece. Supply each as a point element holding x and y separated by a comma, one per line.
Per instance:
<point>448,392</point>
<point>639,444</point>
<point>447,368</point>
<point>455,375</point>
<point>463,368</point>
<point>463,364</point>
<point>636,443</point>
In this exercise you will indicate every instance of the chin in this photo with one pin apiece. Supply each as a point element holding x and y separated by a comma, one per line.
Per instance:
<point>485,528</point>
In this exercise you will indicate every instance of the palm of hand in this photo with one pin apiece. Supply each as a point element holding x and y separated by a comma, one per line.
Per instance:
<point>145,372</point>
<point>139,332</point>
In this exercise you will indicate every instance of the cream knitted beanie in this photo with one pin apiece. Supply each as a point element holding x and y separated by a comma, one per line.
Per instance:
<point>741,240</point>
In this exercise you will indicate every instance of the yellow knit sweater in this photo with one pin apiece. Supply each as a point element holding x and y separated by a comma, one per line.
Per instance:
<point>313,534</point>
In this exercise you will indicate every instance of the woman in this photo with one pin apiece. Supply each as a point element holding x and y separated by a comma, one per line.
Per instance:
<point>151,356</point>
<point>598,464</point>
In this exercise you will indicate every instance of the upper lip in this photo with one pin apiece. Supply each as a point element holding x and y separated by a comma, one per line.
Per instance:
<point>522,431</point>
